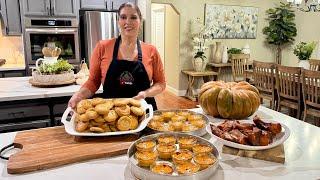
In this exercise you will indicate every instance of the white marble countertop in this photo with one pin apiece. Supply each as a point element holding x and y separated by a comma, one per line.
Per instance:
<point>302,152</point>
<point>10,67</point>
<point>19,88</point>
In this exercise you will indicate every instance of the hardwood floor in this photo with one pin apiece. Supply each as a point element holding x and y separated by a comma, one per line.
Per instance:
<point>167,100</point>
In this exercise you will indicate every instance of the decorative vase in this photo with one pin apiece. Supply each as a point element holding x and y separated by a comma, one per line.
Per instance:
<point>225,54</point>
<point>304,64</point>
<point>246,49</point>
<point>213,51</point>
<point>199,65</point>
<point>218,54</point>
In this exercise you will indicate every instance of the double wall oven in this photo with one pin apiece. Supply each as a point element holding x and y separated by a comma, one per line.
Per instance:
<point>39,32</point>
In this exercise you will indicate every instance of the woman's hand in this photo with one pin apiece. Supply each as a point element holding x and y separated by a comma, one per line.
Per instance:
<point>74,100</point>
<point>83,93</point>
<point>140,95</point>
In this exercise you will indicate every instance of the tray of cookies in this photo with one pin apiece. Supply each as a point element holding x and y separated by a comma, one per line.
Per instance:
<point>179,120</point>
<point>107,117</point>
<point>166,156</point>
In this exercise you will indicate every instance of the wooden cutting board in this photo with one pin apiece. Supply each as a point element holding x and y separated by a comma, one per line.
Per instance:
<point>52,147</point>
<point>275,154</point>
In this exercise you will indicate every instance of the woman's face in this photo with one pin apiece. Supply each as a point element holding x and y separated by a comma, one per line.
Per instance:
<point>129,22</point>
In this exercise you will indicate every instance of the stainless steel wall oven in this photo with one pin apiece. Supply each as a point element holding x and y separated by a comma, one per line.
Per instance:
<point>41,31</point>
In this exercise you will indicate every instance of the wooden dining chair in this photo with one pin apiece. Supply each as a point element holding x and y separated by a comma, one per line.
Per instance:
<point>311,93</point>
<point>288,83</point>
<point>314,64</point>
<point>264,81</point>
<point>239,65</point>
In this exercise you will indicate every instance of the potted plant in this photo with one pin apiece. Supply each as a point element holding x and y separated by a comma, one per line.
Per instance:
<point>56,73</point>
<point>281,29</point>
<point>303,51</point>
<point>199,46</point>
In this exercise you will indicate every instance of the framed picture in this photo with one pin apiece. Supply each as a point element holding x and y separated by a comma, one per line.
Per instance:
<point>231,22</point>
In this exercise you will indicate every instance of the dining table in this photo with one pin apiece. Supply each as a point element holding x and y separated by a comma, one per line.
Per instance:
<point>302,158</point>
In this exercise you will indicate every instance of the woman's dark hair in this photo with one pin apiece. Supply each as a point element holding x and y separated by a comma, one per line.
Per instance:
<point>131,5</point>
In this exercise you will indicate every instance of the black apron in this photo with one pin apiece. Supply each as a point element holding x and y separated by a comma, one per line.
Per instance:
<point>125,79</point>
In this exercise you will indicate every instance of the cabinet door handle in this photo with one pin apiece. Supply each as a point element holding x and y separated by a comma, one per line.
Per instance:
<point>17,114</point>
<point>112,5</point>
<point>52,13</point>
<point>48,10</point>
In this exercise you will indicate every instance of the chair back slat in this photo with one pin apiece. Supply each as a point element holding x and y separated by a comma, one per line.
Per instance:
<point>263,75</point>
<point>314,64</point>
<point>288,82</point>
<point>311,88</point>
<point>239,65</point>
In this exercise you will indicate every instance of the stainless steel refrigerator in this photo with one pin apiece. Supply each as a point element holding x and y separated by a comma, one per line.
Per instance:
<point>96,25</point>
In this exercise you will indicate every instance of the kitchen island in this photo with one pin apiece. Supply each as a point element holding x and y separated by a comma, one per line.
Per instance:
<point>20,100</point>
<point>302,154</point>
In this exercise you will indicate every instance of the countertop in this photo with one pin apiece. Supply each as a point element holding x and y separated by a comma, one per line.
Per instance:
<point>12,67</point>
<point>19,88</point>
<point>302,151</point>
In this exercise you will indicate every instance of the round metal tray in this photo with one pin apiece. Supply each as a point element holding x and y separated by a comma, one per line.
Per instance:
<point>145,173</point>
<point>199,132</point>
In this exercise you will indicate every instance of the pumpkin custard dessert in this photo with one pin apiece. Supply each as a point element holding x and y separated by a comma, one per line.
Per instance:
<point>169,140</point>
<point>165,151</point>
<point>187,168</point>
<point>182,156</point>
<point>204,160</point>
<point>162,167</point>
<point>145,159</point>
<point>146,146</point>
<point>201,148</point>
<point>186,142</point>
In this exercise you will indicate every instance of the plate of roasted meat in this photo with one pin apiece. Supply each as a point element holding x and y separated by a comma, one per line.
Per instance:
<point>256,134</point>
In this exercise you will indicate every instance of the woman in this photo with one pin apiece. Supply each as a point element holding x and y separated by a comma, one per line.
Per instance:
<point>124,66</point>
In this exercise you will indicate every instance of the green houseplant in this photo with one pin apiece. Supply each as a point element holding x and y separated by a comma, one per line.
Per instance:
<point>304,50</point>
<point>281,29</point>
<point>234,51</point>
<point>59,67</point>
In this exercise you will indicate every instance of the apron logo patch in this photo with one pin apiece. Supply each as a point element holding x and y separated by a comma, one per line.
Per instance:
<point>126,78</point>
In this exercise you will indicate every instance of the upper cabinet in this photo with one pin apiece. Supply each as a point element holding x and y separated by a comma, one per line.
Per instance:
<point>110,5</point>
<point>36,7</point>
<point>56,8</point>
<point>94,4</point>
<point>115,4</point>
<point>10,17</point>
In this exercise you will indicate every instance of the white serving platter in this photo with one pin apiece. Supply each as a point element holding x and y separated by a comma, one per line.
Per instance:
<point>70,125</point>
<point>277,140</point>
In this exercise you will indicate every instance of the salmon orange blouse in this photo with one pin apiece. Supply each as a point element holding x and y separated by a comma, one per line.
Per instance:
<point>102,56</point>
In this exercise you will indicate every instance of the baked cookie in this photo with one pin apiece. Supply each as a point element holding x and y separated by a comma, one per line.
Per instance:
<point>138,111</point>
<point>123,110</point>
<point>92,114</point>
<point>97,130</point>
<point>102,109</point>
<point>126,123</point>
<point>96,101</point>
<point>111,116</point>
<point>84,118</point>
<point>135,102</point>
<point>121,101</point>
<point>81,126</point>
<point>99,119</point>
